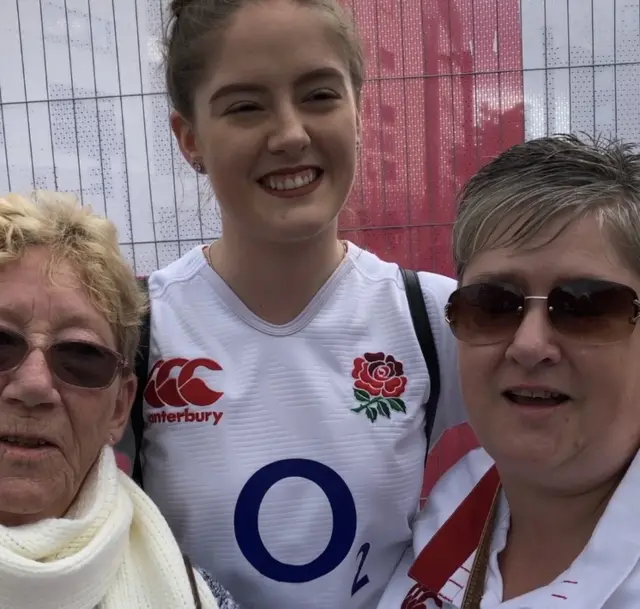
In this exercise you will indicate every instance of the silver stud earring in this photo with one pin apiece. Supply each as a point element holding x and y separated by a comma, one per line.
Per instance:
<point>112,440</point>
<point>197,165</point>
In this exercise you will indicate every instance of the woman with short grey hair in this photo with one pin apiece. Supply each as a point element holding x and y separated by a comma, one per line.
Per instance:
<point>545,513</point>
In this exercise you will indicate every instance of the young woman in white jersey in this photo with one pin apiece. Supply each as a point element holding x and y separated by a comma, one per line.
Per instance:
<point>284,413</point>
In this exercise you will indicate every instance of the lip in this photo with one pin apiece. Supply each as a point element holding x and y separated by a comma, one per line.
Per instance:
<point>50,442</point>
<point>289,171</point>
<point>532,388</point>
<point>535,405</point>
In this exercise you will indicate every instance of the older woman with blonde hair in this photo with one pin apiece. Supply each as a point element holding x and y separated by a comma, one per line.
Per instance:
<point>546,514</point>
<point>75,533</point>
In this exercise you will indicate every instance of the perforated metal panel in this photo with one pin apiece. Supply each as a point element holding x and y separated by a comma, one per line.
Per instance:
<point>450,84</point>
<point>581,62</point>
<point>83,110</point>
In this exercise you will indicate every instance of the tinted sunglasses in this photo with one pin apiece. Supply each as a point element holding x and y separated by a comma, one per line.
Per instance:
<point>73,362</point>
<point>591,311</point>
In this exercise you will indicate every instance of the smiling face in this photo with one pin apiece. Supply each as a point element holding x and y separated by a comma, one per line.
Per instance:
<point>275,124</point>
<point>589,437</point>
<point>73,424</point>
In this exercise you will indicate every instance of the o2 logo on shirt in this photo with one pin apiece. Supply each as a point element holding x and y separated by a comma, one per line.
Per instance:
<point>343,509</point>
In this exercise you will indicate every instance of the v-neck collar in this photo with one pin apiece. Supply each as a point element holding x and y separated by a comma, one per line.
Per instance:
<point>237,306</point>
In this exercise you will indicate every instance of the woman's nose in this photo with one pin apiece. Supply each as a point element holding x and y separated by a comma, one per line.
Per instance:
<point>32,382</point>
<point>290,136</point>
<point>534,342</point>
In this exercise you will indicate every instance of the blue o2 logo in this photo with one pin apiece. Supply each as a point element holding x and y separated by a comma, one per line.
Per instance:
<point>343,509</point>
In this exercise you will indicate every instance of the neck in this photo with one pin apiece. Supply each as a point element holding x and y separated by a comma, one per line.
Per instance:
<point>276,281</point>
<point>548,531</point>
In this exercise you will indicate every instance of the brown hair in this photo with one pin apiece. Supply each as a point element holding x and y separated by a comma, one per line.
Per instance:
<point>195,24</point>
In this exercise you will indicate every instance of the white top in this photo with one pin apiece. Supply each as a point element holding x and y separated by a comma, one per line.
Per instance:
<point>606,575</point>
<point>289,459</point>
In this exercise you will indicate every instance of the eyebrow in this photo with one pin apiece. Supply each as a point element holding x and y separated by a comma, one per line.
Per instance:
<point>76,320</point>
<point>249,87</point>
<point>499,277</point>
<point>12,315</point>
<point>519,281</point>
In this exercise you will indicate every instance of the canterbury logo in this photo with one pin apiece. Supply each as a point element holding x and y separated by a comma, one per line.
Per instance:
<point>181,389</point>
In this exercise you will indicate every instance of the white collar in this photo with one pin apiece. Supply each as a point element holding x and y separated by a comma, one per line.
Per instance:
<point>609,557</point>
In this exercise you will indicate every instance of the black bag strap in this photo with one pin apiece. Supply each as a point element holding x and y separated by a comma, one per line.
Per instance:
<point>427,344</point>
<point>141,370</point>
<point>192,582</point>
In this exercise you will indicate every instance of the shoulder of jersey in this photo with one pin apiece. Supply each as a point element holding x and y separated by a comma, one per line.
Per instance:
<point>436,288</point>
<point>375,268</point>
<point>178,272</point>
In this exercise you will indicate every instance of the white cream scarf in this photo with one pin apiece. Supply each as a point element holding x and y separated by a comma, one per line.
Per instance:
<point>113,550</point>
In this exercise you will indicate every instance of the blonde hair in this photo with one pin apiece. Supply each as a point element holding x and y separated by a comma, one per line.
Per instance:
<point>75,234</point>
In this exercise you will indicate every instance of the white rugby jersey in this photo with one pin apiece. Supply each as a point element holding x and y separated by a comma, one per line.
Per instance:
<point>606,575</point>
<point>289,459</point>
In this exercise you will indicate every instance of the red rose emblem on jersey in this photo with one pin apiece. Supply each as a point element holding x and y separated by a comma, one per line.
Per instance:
<point>379,384</point>
<point>379,374</point>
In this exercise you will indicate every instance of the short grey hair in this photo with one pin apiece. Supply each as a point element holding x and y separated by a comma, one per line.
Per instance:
<point>552,179</point>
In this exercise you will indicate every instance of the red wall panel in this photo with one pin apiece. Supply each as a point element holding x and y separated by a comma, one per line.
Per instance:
<point>444,93</point>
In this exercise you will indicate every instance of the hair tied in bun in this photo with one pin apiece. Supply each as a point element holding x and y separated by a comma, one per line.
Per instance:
<point>177,6</point>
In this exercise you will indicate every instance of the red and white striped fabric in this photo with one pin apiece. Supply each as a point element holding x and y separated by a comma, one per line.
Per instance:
<point>446,535</point>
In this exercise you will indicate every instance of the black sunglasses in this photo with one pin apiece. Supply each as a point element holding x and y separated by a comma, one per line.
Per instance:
<point>591,311</point>
<point>73,362</point>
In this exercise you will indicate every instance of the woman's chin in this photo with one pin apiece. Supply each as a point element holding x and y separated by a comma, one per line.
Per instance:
<point>22,501</point>
<point>522,454</point>
<point>301,226</point>
<point>27,499</point>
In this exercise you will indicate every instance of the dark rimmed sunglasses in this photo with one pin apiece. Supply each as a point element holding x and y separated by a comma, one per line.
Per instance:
<point>73,362</point>
<point>591,311</point>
